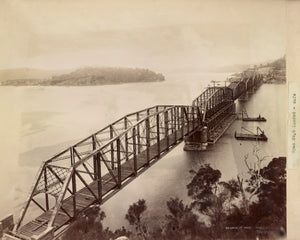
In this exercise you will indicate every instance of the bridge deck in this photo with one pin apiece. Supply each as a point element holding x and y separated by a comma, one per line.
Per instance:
<point>84,197</point>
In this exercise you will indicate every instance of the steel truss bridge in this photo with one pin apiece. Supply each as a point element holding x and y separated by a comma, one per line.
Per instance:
<point>94,169</point>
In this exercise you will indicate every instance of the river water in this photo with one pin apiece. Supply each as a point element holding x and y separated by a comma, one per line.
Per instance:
<point>37,122</point>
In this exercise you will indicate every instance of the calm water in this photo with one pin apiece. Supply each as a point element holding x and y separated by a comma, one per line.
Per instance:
<point>37,122</point>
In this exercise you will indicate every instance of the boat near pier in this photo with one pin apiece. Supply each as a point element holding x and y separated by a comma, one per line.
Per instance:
<point>244,116</point>
<point>259,136</point>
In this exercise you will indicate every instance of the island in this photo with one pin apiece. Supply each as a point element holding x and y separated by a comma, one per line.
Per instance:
<point>87,76</point>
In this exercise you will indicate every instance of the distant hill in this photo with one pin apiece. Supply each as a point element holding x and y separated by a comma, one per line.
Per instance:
<point>278,64</point>
<point>275,72</point>
<point>88,76</point>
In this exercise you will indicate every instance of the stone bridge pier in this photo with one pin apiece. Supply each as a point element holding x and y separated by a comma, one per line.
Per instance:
<point>198,141</point>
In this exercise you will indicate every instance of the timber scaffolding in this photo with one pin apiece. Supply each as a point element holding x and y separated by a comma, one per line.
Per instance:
<point>94,169</point>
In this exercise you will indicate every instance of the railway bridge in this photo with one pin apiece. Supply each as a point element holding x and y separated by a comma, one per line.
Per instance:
<point>94,169</point>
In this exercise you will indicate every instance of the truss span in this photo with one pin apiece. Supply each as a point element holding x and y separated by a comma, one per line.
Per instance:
<point>94,168</point>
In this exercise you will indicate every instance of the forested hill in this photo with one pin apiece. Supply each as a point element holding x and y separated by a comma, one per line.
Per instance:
<point>275,72</point>
<point>90,76</point>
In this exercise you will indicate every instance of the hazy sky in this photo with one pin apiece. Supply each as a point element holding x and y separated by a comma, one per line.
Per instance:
<point>155,34</point>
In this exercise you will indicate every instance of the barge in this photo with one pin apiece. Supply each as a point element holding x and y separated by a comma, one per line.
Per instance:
<point>246,118</point>
<point>259,136</point>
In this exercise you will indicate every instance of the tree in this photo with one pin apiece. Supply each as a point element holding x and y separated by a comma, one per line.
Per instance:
<point>253,179</point>
<point>212,197</point>
<point>122,233</point>
<point>268,208</point>
<point>134,214</point>
<point>88,225</point>
<point>181,223</point>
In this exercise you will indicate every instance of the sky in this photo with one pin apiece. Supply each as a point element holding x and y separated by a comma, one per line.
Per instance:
<point>183,34</point>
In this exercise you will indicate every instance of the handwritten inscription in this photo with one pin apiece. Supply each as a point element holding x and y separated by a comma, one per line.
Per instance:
<point>294,123</point>
<point>294,91</point>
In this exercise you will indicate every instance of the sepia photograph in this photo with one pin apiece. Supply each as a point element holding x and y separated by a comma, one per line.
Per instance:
<point>149,120</point>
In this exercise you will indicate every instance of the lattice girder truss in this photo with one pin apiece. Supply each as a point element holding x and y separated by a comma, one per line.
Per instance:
<point>96,162</point>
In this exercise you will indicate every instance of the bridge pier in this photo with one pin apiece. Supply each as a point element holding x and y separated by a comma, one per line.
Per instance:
<point>244,96</point>
<point>198,141</point>
<point>214,127</point>
<point>251,90</point>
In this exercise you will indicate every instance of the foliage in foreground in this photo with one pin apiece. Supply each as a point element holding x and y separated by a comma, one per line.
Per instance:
<point>230,207</point>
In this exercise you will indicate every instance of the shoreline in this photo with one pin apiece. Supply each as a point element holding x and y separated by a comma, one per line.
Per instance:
<point>87,85</point>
